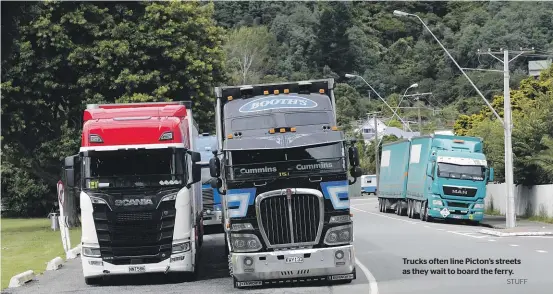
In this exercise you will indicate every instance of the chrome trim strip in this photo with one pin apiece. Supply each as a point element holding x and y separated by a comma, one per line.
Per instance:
<point>282,192</point>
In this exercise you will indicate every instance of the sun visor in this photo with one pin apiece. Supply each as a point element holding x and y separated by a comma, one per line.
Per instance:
<point>279,141</point>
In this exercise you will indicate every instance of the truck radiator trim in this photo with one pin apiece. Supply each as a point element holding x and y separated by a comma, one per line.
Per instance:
<point>290,222</point>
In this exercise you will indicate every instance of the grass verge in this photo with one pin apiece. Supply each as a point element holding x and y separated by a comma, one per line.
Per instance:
<point>28,244</point>
<point>543,219</point>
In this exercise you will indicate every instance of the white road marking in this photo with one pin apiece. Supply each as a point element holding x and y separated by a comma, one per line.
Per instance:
<point>491,240</point>
<point>466,234</point>
<point>427,226</point>
<point>541,251</point>
<point>514,245</point>
<point>368,199</point>
<point>403,220</point>
<point>544,237</point>
<point>373,287</point>
<point>440,229</point>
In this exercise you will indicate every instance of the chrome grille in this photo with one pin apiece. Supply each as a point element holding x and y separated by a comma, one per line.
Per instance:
<point>290,222</point>
<point>207,199</point>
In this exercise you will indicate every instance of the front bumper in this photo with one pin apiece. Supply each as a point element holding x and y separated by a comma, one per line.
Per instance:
<point>95,267</point>
<point>459,213</point>
<point>214,218</point>
<point>320,262</point>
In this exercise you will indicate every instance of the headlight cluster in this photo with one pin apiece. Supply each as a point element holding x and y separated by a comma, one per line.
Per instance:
<point>180,247</point>
<point>479,206</point>
<point>339,235</point>
<point>245,242</point>
<point>437,202</point>
<point>91,252</point>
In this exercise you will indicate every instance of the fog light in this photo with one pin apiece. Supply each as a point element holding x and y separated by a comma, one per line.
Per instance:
<point>248,261</point>
<point>339,254</point>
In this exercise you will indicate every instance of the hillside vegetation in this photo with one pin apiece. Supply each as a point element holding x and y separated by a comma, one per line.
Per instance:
<point>59,56</point>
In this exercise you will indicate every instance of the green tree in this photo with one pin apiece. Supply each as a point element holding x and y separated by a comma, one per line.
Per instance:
<point>74,53</point>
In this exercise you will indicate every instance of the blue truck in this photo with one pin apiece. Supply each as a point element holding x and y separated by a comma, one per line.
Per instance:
<point>434,177</point>
<point>212,209</point>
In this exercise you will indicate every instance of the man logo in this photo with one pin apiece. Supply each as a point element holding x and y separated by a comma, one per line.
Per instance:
<point>459,192</point>
<point>277,102</point>
<point>128,202</point>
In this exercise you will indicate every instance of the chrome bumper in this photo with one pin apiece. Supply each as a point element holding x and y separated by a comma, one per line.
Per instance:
<point>214,218</point>
<point>320,262</point>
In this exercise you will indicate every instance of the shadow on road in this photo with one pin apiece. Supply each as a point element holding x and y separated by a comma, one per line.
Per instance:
<point>213,265</point>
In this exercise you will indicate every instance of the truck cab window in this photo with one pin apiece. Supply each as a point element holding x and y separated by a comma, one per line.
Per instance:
<point>465,172</point>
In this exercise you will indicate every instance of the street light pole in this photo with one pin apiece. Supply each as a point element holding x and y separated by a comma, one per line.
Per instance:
<point>404,93</point>
<point>349,76</point>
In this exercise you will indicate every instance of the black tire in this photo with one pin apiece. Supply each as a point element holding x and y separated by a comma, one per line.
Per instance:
<point>422,210</point>
<point>409,208</point>
<point>380,204</point>
<point>93,281</point>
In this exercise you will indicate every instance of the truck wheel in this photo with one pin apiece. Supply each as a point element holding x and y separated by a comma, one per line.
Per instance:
<point>380,204</point>
<point>93,281</point>
<point>409,208</point>
<point>422,210</point>
<point>226,245</point>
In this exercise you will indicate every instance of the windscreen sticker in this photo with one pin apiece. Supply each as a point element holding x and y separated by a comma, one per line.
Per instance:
<point>238,201</point>
<point>337,192</point>
<point>277,102</point>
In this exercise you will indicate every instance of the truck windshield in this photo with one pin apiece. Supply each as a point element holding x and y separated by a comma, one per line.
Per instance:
<point>286,162</point>
<point>134,168</point>
<point>463,172</point>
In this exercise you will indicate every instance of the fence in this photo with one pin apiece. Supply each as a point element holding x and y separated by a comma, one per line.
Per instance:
<point>529,201</point>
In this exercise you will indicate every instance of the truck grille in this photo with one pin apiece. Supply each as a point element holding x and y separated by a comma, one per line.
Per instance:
<point>290,222</point>
<point>207,195</point>
<point>459,191</point>
<point>131,237</point>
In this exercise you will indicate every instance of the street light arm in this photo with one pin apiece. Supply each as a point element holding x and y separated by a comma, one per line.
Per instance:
<point>404,93</point>
<point>384,102</point>
<point>461,69</point>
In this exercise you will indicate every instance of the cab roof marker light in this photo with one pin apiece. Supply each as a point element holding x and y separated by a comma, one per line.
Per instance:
<point>286,91</point>
<point>282,130</point>
<point>95,139</point>
<point>229,98</point>
<point>271,131</point>
<point>458,141</point>
<point>334,128</point>
<point>266,92</point>
<point>276,92</point>
<point>322,91</point>
<point>166,136</point>
<point>229,136</point>
<point>293,129</point>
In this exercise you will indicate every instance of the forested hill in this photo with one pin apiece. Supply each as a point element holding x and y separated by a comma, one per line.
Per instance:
<point>59,56</point>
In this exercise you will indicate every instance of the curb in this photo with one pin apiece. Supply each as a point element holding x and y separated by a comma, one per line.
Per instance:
<point>501,234</point>
<point>22,278</point>
<point>54,264</point>
<point>73,253</point>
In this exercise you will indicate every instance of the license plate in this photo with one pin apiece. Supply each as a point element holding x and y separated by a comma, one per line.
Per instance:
<point>249,283</point>
<point>137,269</point>
<point>294,259</point>
<point>456,216</point>
<point>341,277</point>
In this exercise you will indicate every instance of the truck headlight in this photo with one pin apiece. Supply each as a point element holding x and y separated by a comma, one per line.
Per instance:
<point>479,206</point>
<point>339,219</point>
<point>169,197</point>
<point>180,247</point>
<point>339,235</point>
<point>241,227</point>
<point>91,252</point>
<point>245,242</point>
<point>437,202</point>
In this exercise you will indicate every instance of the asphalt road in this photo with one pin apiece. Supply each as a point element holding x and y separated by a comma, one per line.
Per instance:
<point>388,244</point>
<point>383,242</point>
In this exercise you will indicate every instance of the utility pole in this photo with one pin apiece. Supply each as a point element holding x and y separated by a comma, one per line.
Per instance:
<point>420,121</point>
<point>507,127</point>
<point>376,154</point>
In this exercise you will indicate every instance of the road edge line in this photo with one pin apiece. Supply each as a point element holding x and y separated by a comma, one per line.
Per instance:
<point>373,286</point>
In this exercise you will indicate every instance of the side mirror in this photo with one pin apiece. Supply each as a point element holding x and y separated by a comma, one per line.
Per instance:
<point>490,176</point>
<point>429,169</point>
<point>196,157</point>
<point>196,173</point>
<point>69,171</point>
<point>216,183</point>
<point>215,167</point>
<point>353,156</point>
<point>356,172</point>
